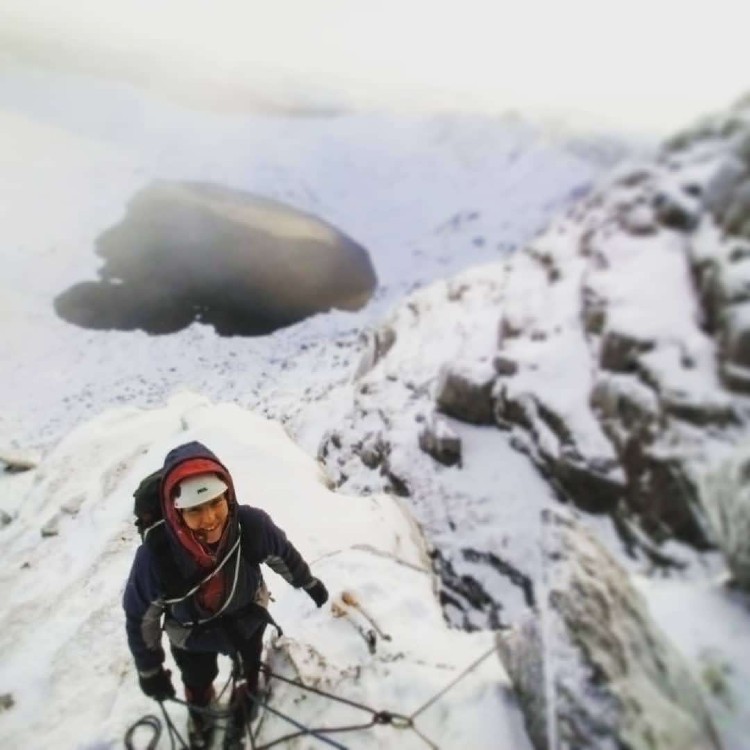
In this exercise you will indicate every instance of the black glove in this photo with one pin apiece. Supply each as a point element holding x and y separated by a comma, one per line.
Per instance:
<point>158,684</point>
<point>317,591</point>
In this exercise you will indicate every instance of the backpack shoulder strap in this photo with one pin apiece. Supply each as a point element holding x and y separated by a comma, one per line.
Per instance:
<point>171,578</point>
<point>250,535</point>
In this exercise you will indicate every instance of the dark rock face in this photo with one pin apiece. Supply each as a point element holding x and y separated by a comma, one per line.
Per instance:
<point>592,490</point>
<point>195,251</point>
<point>656,479</point>
<point>466,395</point>
<point>620,351</point>
<point>675,212</point>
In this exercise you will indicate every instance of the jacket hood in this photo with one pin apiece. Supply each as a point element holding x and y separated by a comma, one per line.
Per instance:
<point>180,463</point>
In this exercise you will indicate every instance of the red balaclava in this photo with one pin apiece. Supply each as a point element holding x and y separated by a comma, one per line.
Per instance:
<point>211,594</point>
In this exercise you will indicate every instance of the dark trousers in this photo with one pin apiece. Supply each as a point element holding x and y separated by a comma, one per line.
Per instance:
<point>199,669</point>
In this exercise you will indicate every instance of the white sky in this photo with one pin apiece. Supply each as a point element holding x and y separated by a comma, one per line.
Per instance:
<point>637,64</point>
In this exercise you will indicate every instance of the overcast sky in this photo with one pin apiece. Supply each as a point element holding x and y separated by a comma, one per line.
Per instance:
<point>637,64</point>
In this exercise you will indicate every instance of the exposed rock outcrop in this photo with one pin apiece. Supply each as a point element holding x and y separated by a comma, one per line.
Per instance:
<point>466,393</point>
<point>611,352</point>
<point>663,305</point>
<point>439,441</point>
<point>15,462</point>
<point>594,671</point>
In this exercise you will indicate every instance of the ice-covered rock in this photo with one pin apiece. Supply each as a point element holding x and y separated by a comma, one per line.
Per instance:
<point>592,669</point>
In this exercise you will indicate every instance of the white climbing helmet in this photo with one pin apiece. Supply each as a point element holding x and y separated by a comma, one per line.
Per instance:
<point>198,490</point>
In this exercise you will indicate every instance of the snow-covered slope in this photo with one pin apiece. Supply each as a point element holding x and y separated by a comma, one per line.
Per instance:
<point>63,653</point>
<point>425,196</point>
<point>591,334</point>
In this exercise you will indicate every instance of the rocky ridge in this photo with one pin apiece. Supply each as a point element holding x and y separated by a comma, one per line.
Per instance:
<point>612,353</point>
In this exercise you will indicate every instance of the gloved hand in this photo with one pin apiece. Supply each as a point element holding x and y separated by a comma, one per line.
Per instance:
<point>157,684</point>
<point>317,591</point>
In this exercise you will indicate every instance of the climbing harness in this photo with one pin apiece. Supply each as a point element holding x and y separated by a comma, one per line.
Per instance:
<point>377,718</point>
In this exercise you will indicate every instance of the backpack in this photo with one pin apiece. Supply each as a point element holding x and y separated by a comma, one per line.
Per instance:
<point>147,503</point>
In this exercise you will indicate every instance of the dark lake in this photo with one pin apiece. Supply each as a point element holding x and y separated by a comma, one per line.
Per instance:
<point>244,264</point>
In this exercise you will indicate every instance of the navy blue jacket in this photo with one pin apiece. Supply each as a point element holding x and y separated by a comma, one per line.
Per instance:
<point>163,573</point>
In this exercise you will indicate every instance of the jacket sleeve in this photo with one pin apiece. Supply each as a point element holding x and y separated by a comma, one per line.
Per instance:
<point>143,605</point>
<point>277,551</point>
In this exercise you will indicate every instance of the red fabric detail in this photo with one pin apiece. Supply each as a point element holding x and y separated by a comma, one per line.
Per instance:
<point>199,696</point>
<point>211,594</point>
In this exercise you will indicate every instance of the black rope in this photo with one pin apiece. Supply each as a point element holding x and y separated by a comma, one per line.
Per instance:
<point>346,701</point>
<point>398,721</point>
<point>150,721</point>
<point>442,692</point>
<point>172,729</point>
<point>303,730</point>
<point>327,730</point>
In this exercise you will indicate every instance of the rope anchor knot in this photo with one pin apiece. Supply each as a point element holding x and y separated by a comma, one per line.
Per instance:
<point>397,721</point>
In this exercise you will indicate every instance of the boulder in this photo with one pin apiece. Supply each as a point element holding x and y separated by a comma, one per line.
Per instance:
<point>189,251</point>
<point>438,440</point>
<point>596,489</point>
<point>14,462</point>
<point>465,393</point>
<point>505,365</point>
<point>591,668</point>
<point>675,211</point>
<point>620,350</point>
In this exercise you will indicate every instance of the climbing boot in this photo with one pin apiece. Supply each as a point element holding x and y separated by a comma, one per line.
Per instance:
<point>201,723</point>
<point>244,710</point>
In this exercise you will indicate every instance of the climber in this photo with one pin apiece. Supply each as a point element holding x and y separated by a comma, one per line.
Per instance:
<point>198,570</point>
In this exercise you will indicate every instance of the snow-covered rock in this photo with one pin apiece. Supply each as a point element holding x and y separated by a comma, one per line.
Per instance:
<point>614,343</point>
<point>607,346</point>
<point>594,671</point>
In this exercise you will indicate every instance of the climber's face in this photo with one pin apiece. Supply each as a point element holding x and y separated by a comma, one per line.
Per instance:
<point>207,520</point>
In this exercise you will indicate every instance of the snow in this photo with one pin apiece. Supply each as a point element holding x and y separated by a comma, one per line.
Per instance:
<point>422,195</point>
<point>425,195</point>
<point>709,627</point>
<point>440,202</point>
<point>64,657</point>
